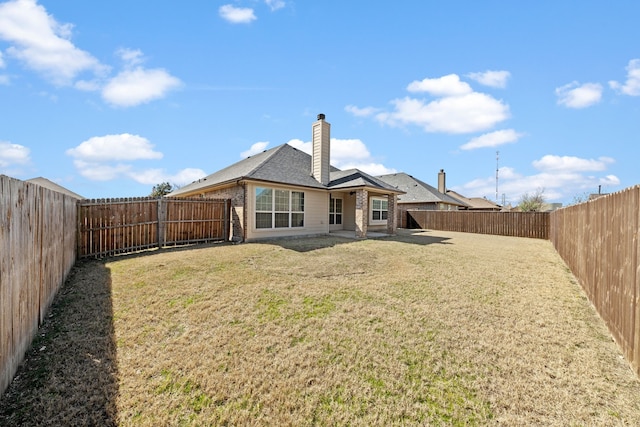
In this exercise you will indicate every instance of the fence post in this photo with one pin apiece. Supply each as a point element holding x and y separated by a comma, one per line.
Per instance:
<point>162,221</point>
<point>228,227</point>
<point>78,229</point>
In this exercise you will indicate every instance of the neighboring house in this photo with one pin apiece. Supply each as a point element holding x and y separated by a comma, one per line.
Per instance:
<point>593,196</point>
<point>475,203</point>
<point>44,182</point>
<point>419,195</point>
<point>546,207</point>
<point>286,192</point>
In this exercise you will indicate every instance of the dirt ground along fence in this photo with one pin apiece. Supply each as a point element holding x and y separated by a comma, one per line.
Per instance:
<point>37,251</point>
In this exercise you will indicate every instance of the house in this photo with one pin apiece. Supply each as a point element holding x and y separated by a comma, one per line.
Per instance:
<point>420,196</point>
<point>44,182</point>
<point>475,203</point>
<point>594,196</point>
<point>285,192</point>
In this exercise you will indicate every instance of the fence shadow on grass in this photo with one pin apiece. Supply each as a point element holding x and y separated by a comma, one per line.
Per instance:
<point>307,244</point>
<point>418,237</point>
<point>70,374</point>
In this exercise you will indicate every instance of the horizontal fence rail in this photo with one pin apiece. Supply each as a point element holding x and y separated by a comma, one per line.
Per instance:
<point>37,252</point>
<point>599,242</point>
<point>517,224</point>
<point>109,227</point>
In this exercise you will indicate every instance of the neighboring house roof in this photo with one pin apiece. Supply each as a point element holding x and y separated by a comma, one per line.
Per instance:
<point>593,196</point>
<point>44,182</point>
<point>418,191</point>
<point>283,164</point>
<point>478,203</point>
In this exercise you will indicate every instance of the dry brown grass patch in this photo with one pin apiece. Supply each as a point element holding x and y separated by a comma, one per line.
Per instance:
<point>430,328</point>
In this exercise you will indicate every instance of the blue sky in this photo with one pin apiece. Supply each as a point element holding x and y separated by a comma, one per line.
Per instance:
<point>110,98</point>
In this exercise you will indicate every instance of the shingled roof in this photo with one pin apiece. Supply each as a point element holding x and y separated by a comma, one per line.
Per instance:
<point>356,178</point>
<point>283,164</point>
<point>417,191</point>
<point>475,203</point>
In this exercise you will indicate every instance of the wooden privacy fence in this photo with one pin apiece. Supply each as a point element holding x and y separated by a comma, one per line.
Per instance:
<point>599,242</point>
<point>37,251</point>
<point>113,226</point>
<point>518,224</point>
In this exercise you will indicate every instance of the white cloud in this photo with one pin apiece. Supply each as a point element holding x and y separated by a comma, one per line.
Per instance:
<point>347,154</point>
<point>4,79</point>
<point>186,176</point>
<point>114,147</point>
<point>237,15</point>
<point>301,145</point>
<point>88,85</point>
<point>105,158</point>
<point>361,112</point>
<point>155,176</point>
<point>373,169</point>
<point>449,85</point>
<point>256,148</point>
<point>348,150</point>
<point>13,154</point>
<point>550,163</point>
<point>632,86</point>
<point>275,4</point>
<point>101,172</point>
<point>457,109</point>
<point>491,78</point>
<point>574,95</point>
<point>138,86</point>
<point>609,180</point>
<point>131,57</point>
<point>472,112</point>
<point>493,139</point>
<point>561,177</point>
<point>42,43</point>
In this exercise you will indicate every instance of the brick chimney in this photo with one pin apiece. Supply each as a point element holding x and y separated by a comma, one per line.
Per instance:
<point>442,182</point>
<point>321,150</point>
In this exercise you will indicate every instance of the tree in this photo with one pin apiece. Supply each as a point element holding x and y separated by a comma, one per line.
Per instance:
<point>532,203</point>
<point>161,189</point>
<point>579,198</point>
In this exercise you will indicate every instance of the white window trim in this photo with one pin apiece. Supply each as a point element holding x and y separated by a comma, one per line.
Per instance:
<point>377,221</point>
<point>273,211</point>
<point>341,213</point>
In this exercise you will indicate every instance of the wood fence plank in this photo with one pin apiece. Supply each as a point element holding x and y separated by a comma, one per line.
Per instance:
<point>6,288</point>
<point>135,224</point>
<point>518,224</point>
<point>599,241</point>
<point>34,262</point>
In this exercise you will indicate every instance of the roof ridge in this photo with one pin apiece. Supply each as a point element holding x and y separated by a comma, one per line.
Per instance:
<point>266,158</point>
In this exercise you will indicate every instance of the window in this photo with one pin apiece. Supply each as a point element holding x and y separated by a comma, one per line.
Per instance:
<point>335,211</point>
<point>264,206</point>
<point>279,208</point>
<point>379,210</point>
